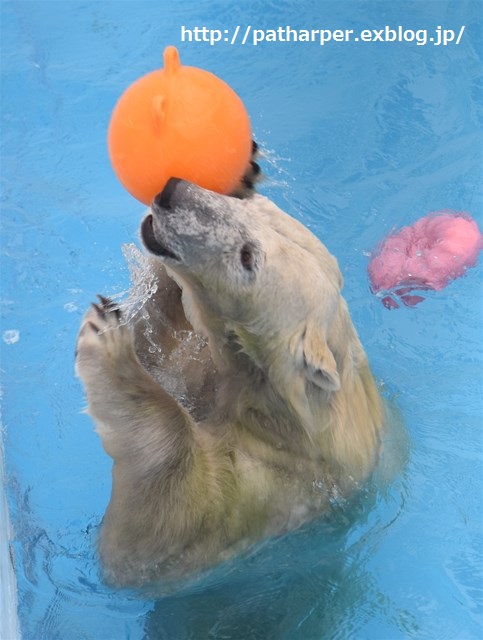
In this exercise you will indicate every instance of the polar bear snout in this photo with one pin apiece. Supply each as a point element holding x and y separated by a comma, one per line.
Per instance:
<point>163,199</point>
<point>181,194</point>
<point>151,241</point>
<point>173,215</point>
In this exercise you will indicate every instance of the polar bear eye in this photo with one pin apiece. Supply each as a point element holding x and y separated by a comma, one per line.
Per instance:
<point>246,257</point>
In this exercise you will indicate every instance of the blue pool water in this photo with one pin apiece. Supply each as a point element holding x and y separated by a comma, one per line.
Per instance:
<point>359,138</point>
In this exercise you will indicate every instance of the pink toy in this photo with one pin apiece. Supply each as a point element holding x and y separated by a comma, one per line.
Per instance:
<point>427,255</point>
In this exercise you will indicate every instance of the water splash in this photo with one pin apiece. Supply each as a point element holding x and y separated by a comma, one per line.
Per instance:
<point>144,282</point>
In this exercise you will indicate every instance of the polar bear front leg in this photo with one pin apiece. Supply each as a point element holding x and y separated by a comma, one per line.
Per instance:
<point>129,407</point>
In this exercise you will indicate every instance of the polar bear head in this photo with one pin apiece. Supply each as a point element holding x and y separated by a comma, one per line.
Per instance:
<point>255,281</point>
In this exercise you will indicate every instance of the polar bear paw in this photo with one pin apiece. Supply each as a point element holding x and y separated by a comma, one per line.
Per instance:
<point>103,341</point>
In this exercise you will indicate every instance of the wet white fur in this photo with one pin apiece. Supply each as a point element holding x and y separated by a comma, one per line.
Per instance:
<point>278,410</point>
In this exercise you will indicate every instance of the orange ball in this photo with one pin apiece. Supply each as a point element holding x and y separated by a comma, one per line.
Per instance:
<point>180,122</point>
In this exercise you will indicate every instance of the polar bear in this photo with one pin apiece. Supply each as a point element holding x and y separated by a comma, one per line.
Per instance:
<point>263,419</point>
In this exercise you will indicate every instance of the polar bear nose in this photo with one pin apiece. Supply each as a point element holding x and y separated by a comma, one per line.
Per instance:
<point>164,199</point>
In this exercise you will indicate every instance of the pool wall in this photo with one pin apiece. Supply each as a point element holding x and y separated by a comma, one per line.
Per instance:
<point>9,628</point>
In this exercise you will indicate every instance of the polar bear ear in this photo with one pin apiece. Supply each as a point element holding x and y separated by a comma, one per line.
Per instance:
<point>318,361</point>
